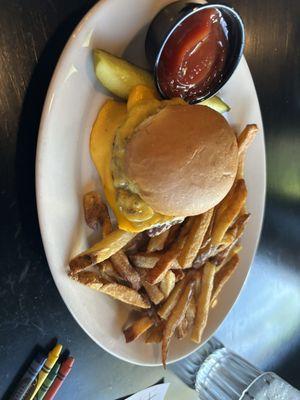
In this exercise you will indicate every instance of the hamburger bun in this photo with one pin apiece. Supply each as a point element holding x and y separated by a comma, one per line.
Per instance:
<point>183,159</point>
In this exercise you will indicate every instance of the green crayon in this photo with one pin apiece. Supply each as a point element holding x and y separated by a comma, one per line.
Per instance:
<point>47,382</point>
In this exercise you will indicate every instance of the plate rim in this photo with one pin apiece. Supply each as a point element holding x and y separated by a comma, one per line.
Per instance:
<point>42,134</point>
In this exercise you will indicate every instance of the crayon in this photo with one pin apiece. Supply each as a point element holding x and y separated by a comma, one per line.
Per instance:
<point>28,377</point>
<point>51,360</point>
<point>48,382</point>
<point>63,372</point>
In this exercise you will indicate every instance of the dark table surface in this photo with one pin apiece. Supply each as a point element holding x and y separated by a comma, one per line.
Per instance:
<point>264,325</point>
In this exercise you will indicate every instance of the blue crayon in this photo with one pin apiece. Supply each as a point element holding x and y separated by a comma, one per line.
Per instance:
<point>29,377</point>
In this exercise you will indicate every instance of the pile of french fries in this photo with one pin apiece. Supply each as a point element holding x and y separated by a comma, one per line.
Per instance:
<point>175,278</point>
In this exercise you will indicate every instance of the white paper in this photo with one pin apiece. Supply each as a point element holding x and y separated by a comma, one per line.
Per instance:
<point>156,392</point>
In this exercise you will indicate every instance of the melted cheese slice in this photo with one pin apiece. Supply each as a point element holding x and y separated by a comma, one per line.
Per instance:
<point>110,117</point>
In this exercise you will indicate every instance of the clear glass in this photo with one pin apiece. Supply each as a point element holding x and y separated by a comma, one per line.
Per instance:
<point>217,373</point>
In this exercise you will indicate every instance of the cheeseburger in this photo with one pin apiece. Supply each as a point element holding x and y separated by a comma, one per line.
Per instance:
<point>161,161</point>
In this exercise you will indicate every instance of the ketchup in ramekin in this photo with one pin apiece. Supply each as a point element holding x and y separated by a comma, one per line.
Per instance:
<point>194,48</point>
<point>194,57</point>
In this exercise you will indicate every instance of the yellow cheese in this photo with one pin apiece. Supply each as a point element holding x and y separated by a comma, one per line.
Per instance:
<point>140,93</point>
<point>110,117</point>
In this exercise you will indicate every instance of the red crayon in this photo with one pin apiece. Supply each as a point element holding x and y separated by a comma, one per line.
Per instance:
<point>63,372</point>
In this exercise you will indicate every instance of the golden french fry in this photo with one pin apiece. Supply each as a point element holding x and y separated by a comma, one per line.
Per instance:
<point>139,327</point>
<point>115,290</point>
<point>173,233</point>
<point>185,325</point>
<point>246,137</point>
<point>194,239</point>
<point>92,207</point>
<point>198,278</point>
<point>153,291</point>
<point>125,269</point>
<point>223,275</point>
<point>179,274</point>
<point>163,265</point>
<point>191,311</point>
<point>168,283</point>
<point>229,237</point>
<point>203,302</point>
<point>108,272</point>
<point>145,260</point>
<point>101,251</point>
<point>240,224</point>
<point>166,308</point>
<point>244,141</point>
<point>136,244</point>
<point>90,279</point>
<point>182,329</point>
<point>96,212</point>
<point>148,260</point>
<point>223,221</point>
<point>125,294</point>
<point>155,334</point>
<point>237,229</point>
<point>157,242</point>
<point>175,318</point>
<point>169,258</point>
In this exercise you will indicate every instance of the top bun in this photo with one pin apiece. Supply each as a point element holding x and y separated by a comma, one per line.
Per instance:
<point>183,159</point>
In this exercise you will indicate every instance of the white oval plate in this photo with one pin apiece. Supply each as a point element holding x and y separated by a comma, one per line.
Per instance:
<point>64,171</point>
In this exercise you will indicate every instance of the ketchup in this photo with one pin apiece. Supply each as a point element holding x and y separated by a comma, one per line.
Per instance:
<point>194,57</point>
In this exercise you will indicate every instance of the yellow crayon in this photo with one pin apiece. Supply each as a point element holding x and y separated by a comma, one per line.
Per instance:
<point>51,360</point>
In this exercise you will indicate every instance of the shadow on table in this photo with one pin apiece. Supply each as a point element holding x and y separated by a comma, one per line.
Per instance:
<point>29,124</point>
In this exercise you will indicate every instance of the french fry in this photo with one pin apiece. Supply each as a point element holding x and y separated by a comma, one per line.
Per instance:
<point>157,242</point>
<point>148,260</point>
<point>90,279</point>
<point>168,283</point>
<point>125,295</point>
<point>155,334</point>
<point>179,274</point>
<point>108,272</point>
<point>246,137</point>
<point>229,237</point>
<point>222,276</point>
<point>173,233</point>
<point>194,239</point>
<point>203,302</point>
<point>92,207</point>
<point>185,325</point>
<point>125,269</point>
<point>222,254</point>
<point>145,260</point>
<point>244,141</point>
<point>139,327</point>
<point>182,329</point>
<point>223,221</point>
<point>101,251</point>
<point>153,291</point>
<point>163,265</point>
<point>168,259</point>
<point>121,264</point>
<point>240,224</point>
<point>138,243</point>
<point>115,290</point>
<point>203,255</point>
<point>166,308</point>
<point>191,311</point>
<point>96,212</point>
<point>198,278</point>
<point>175,319</point>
